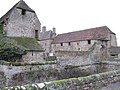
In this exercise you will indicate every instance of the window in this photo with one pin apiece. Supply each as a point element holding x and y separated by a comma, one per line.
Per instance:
<point>61,44</point>
<point>79,49</point>
<point>32,53</point>
<point>36,34</point>
<point>69,43</point>
<point>77,43</point>
<point>89,41</point>
<point>23,12</point>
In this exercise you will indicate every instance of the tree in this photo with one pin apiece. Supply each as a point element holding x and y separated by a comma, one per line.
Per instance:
<point>10,50</point>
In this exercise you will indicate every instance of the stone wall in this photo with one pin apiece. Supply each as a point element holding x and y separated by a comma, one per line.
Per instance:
<point>74,58</point>
<point>46,44</point>
<point>92,82</point>
<point>19,25</point>
<point>20,75</point>
<point>108,65</point>
<point>33,57</point>
<point>73,46</point>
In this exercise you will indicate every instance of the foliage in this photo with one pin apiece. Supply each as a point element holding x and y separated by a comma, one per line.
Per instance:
<point>92,47</point>
<point>28,43</point>
<point>1,28</point>
<point>51,58</point>
<point>12,49</point>
<point>25,63</point>
<point>9,49</point>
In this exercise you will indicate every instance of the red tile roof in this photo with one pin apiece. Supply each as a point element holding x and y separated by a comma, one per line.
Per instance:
<point>88,34</point>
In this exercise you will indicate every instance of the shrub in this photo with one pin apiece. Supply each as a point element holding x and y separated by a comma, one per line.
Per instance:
<point>51,58</point>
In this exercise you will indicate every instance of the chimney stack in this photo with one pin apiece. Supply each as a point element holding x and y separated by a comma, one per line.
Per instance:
<point>54,30</point>
<point>44,29</point>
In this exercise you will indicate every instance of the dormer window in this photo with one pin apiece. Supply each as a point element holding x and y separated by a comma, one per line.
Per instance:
<point>23,12</point>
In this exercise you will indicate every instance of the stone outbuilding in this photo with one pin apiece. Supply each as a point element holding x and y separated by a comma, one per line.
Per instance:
<point>83,40</point>
<point>21,21</point>
<point>22,24</point>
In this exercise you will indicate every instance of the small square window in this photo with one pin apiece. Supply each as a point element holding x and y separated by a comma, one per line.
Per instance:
<point>23,12</point>
<point>61,44</point>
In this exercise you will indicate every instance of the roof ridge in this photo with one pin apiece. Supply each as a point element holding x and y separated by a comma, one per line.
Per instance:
<point>83,30</point>
<point>21,5</point>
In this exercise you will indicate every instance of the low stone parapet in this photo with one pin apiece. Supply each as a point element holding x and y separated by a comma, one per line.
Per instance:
<point>91,82</point>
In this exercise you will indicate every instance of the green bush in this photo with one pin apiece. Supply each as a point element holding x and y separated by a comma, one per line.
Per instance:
<point>51,58</point>
<point>25,63</point>
<point>9,50</point>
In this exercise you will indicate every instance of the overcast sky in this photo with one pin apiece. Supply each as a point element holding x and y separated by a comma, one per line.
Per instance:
<point>73,15</point>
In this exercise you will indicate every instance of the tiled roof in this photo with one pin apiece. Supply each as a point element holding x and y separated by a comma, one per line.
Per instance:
<point>114,50</point>
<point>88,34</point>
<point>46,35</point>
<point>21,5</point>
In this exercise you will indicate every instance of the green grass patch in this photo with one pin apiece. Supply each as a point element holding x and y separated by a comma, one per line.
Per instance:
<point>51,58</point>
<point>25,63</point>
<point>28,43</point>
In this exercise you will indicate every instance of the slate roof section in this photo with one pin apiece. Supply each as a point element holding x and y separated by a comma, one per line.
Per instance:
<point>46,35</point>
<point>114,50</point>
<point>21,5</point>
<point>98,33</point>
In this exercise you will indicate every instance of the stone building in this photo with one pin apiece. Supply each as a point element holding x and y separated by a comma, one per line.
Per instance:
<point>46,38</point>
<point>83,40</point>
<point>21,21</point>
<point>22,24</point>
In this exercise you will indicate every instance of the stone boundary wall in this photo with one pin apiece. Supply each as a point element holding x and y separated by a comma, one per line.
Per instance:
<point>91,82</point>
<point>107,65</point>
<point>71,53</point>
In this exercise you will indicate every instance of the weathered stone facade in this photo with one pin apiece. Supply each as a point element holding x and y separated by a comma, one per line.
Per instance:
<point>46,38</point>
<point>33,56</point>
<point>21,21</point>
<point>66,42</point>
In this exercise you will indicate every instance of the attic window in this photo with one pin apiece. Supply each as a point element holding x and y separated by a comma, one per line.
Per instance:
<point>89,41</point>
<point>23,12</point>
<point>36,34</point>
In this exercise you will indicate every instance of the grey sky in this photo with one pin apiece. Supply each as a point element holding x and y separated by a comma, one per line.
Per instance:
<point>73,15</point>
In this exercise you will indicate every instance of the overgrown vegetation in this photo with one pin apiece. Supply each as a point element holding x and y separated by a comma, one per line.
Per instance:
<point>51,58</point>
<point>28,43</point>
<point>1,29</point>
<point>25,63</point>
<point>10,50</point>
